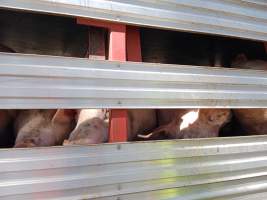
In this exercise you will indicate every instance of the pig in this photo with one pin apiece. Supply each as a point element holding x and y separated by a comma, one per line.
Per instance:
<point>253,121</point>
<point>91,128</point>
<point>190,123</point>
<point>36,128</point>
<point>92,125</point>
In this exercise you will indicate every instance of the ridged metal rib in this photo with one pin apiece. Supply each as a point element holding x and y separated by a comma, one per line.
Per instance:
<point>31,81</point>
<point>224,168</point>
<point>239,18</point>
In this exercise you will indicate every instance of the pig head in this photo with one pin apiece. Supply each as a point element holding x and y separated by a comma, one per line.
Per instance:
<point>35,128</point>
<point>190,123</point>
<point>91,128</point>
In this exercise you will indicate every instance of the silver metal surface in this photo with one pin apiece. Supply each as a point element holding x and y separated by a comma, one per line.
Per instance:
<point>226,168</point>
<point>239,18</point>
<point>32,81</point>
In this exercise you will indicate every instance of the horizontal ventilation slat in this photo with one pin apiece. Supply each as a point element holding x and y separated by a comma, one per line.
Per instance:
<point>32,81</point>
<point>239,18</point>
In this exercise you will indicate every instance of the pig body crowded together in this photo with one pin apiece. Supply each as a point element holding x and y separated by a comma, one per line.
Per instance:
<point>35,128</point>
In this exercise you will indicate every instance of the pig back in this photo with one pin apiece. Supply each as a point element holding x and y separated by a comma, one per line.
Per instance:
<point>32,116</point>
<point>253,121</point>
<point>35,128</point>
<point>165,116</point>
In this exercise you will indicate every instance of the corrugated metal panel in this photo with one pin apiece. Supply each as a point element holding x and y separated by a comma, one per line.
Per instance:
<point>31,81</point>
<point>224,168</point>
<point>240,18</point>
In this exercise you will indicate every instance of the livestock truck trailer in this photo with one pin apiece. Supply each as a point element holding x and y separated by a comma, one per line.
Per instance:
<point>127,56</point>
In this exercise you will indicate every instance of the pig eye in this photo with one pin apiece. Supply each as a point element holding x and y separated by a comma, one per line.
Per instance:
<point>88,125</point>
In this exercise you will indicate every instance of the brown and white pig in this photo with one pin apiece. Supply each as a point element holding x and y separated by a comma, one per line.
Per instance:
<point>253,121</point>
<point>35,128</point>
<point>92,125</point>
<point>190,123</point>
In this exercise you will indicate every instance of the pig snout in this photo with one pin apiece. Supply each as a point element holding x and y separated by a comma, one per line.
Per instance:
<point>25,144</point>
<point>84,141</point>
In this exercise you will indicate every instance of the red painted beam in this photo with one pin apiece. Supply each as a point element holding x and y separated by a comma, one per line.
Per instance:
<point>99,23</point>
<point>122,42</point>
<point>118,122</point>
<point>117,44</point>
<point>118,125</point>
<point>133,44</point>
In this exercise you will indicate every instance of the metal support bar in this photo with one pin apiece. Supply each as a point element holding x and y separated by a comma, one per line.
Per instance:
<point>133,44</point>
<point>118,123</point>
<point>117,52</point>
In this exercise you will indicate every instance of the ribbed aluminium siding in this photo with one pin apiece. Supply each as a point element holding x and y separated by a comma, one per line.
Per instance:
<point>219,168</point>
<point>239,18</point>
<point>225,168</point>
<point>32,81</point>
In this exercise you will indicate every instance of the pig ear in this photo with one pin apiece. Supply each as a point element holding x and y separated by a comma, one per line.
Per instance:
<point>64,115</point>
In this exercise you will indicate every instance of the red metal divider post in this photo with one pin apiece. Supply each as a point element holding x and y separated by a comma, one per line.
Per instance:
<point>122,42</point>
